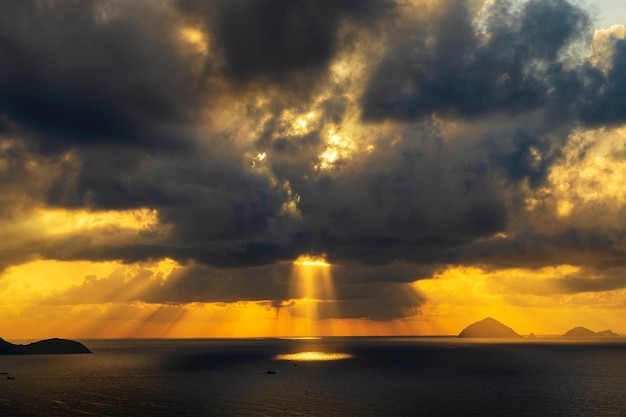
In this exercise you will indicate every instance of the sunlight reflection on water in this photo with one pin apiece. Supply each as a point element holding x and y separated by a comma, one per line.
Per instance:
<point>312,356</point>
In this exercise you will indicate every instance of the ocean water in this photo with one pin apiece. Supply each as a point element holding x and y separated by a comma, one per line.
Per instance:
<point>407,376</point>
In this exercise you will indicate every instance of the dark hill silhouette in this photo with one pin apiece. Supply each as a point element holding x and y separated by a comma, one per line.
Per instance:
<point>488,328</point>
<point>580,332</point>
<point>584,332</point>
<point>43,347</point>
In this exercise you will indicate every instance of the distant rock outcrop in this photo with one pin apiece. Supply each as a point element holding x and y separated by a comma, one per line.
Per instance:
<point>488,328</point>
<point>43,347</point>
<point>607,333</point>
<point>584,332</point>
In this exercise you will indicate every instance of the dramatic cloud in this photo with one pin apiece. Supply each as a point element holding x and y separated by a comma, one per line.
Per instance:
<point>394,139</point>
<point>81,73</point>
<point>278,37</point>
<point>505,61</point>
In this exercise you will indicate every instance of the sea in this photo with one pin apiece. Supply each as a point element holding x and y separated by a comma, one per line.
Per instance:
<point>333,376</point>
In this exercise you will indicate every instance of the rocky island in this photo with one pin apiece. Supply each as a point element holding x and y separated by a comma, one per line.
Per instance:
<point>488,328</point>
<point>584,332</point>
<point>43,347</point>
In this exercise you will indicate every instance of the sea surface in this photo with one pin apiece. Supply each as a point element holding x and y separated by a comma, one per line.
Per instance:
<point>401,376</point>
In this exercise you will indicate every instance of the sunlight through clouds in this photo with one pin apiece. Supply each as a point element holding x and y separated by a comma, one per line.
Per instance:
<point>602,46</point>
<point>62,221</point>
<point>294,168</point>
<point>311,284</point>
<point>587,185</point>
<point>338,149</point>
<point>196,38</point>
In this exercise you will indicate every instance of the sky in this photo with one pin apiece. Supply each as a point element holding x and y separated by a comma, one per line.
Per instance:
<point>262,168</point>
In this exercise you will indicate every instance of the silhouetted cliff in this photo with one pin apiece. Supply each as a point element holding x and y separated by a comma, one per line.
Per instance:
<point>43,347</point>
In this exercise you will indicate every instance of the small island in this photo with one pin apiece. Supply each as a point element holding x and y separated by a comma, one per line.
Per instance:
<point>584,332</point>
<point>43,347</point>
<point>488,328</point>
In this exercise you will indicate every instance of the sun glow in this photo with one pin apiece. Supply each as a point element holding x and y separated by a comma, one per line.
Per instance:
<point>63,221</point>
<point>310,260</point>
<point>260,157</point>
<point>196,39</point>
<point>294,124</point>
<point>312,356</point>
<point>586,187</point>
<point>602,46</point>
<point>338,147</point>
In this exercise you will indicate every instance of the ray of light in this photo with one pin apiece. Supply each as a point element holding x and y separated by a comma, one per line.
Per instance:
<point>311,284</point>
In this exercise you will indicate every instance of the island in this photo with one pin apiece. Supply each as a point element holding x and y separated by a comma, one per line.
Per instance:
<point>607,333</point>
<point>488,328</point>
<point>584,332</point>
<point>43,347</point>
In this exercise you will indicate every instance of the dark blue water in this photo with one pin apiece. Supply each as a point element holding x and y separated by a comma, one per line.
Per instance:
<point>381,377</point>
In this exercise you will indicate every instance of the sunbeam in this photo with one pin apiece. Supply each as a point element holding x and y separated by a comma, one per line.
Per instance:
<point>311,284</point>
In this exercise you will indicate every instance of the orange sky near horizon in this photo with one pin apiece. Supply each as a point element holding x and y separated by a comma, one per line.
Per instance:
<point>456,297</point>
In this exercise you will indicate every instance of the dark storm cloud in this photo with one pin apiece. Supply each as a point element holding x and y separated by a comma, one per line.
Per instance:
<point>413,200</point>
<point>607,104</point>
<point>277,37</point>
<point>16,174</point>
<point>223,254</point>
<point>535,248</point>
<point>24,176</point>
<point>79,72</point>
<point>74,73</point>
<point>392,273</point>
<point>516,62</point>
<point>586,280</point>
<point>216,210</point>
<point>510,67</point>
<point>96,76</point>
<point>528,156</point>
<point>611,280</point>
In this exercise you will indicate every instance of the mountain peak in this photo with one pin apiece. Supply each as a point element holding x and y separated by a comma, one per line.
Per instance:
<point>488,328</point>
